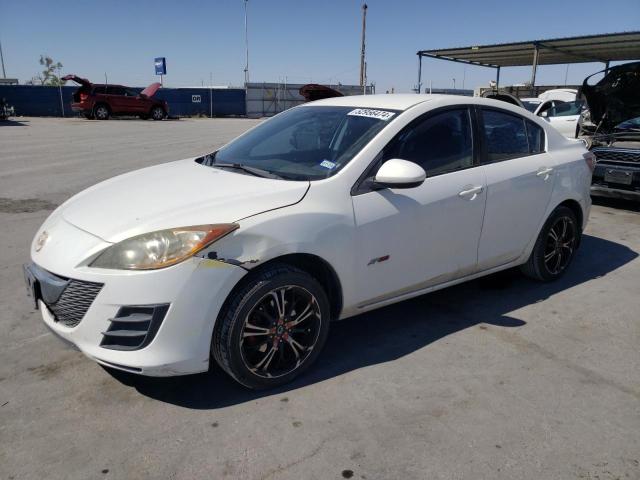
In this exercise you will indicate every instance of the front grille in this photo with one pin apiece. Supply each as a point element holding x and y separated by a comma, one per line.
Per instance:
<point>74,302</point>
<point>623,155</point>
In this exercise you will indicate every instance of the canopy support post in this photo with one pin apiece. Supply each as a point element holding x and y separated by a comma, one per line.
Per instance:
<point>497,78</point>
<point>419,73</point>
<point>535,64</point>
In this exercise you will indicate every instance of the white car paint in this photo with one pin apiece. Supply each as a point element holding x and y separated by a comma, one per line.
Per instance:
<point>546,101</point>
<point>452,228</point>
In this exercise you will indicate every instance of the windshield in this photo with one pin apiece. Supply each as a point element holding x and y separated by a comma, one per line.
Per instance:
<point>530,105</point>
<point>304,143</point>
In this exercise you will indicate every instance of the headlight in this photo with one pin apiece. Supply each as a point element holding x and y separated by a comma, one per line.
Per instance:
<point>162,248</point>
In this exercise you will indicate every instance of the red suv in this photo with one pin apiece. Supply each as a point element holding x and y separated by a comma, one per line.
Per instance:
<point>100,101</point>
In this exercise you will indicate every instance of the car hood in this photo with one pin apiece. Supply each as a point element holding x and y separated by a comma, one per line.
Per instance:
<point>503,97</point>
<point>615,98</point>
<point>175,194</point>
<point>151,90</point>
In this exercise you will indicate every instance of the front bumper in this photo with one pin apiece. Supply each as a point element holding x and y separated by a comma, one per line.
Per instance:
<point>192,291</point>
<point>603,186</point>
<point>602,191</point>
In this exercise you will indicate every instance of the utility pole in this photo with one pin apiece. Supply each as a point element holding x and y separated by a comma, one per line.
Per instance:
<point>4,75</point>
<point>246,45</point>
<point>362,51</point>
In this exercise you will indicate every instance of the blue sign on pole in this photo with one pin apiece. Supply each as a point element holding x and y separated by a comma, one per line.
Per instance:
<point>161,65</point>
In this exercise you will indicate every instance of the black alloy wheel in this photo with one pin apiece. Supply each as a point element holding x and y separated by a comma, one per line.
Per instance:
<point>555,246</point>
<point>273,328</point>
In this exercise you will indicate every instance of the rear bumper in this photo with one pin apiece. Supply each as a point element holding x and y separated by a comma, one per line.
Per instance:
<point>80,107</point>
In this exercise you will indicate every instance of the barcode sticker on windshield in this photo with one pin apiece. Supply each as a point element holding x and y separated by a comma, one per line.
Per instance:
<point>367,112</point>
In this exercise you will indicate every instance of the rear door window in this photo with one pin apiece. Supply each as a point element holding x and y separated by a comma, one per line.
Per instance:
<point>115,90</point>
<point>505,136</point>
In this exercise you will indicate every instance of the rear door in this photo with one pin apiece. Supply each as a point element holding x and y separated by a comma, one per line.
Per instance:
<point>520,176</point>
<point>116,99</point>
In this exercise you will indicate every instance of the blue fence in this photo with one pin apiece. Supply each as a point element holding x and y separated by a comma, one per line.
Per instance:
<point>38,101</point>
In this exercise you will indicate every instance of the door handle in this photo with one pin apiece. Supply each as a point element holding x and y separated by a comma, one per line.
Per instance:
<point>544,172</point>
<point>470,192</point>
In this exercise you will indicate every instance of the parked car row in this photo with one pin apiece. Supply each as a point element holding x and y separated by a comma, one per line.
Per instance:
<point>607,116</point>
<point>612,125</point>
<point>101,101</point>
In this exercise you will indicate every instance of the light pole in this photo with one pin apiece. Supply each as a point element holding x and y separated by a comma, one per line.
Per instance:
<point>4,75</point>
<point>246,45</point>
<point>363,65</point>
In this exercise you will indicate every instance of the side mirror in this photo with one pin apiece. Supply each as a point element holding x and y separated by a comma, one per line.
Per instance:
<point>396,173</point>
<point>544,114</point>
<point>142,95</point>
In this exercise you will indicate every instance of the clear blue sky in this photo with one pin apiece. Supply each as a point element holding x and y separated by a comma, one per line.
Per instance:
<point>302,40</point>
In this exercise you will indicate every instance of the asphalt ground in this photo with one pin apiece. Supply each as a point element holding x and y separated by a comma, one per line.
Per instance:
<point>499,378</point>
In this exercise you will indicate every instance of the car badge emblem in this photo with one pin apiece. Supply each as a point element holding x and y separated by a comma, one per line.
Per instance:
<point>41,240</point>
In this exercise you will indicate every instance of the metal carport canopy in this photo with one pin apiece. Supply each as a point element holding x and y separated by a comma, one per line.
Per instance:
<point>590,48</point>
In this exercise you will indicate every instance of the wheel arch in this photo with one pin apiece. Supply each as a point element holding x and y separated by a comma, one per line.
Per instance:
<point>576,208</point>
<point>101,103</point>
<point>312,264</point>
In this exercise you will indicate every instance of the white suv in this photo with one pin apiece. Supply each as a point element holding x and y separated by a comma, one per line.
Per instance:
<point>325,211</point>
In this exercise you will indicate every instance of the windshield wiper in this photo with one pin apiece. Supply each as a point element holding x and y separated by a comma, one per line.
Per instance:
<point>258,172</point>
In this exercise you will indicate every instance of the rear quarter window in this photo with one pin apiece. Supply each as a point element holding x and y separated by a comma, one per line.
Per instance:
<point>535,136</point>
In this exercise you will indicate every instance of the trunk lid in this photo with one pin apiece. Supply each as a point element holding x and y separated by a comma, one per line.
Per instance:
<point>80,81</point>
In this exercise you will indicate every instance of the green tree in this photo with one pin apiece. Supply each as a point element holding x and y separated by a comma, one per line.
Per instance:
<point>51,73</point>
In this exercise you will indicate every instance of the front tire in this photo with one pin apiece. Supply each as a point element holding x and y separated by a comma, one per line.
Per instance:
<point>555,247</point>
<point>273,328</point>
<point>157,113</point>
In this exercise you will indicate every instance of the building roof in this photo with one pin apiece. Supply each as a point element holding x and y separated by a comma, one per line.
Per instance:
<point>589,48</point>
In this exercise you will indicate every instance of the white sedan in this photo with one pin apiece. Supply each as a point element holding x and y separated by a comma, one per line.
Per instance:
<point>327,210</point>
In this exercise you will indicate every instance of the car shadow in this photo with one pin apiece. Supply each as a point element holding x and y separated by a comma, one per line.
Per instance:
<point>14,123</point>
<point>617,203</point>
<point>393,332</point>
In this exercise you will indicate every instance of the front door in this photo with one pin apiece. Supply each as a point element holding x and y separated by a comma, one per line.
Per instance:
<point>410,239</point>
<point>564,118</point>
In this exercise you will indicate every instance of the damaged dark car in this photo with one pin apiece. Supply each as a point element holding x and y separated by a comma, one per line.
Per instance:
<point>611,127</point>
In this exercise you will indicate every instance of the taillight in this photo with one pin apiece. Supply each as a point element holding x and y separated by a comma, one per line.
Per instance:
<point>591,160</point>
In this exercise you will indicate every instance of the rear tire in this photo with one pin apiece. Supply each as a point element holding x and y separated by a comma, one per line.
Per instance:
<point>101,112</point>
<point>273,328</point>
<point>555,247</point>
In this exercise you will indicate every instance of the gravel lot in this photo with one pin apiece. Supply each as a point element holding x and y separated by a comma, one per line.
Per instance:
<point>500,378</point>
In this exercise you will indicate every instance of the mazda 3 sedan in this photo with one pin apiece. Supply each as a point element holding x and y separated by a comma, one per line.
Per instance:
<point>325,211</point>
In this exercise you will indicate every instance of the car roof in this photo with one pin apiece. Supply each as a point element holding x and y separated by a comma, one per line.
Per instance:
<point>401,101</point>
<point>390,101</point>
